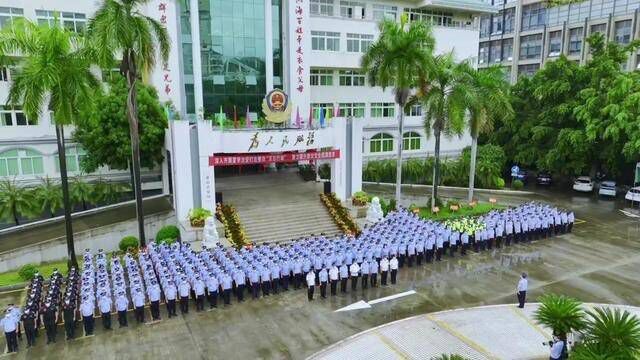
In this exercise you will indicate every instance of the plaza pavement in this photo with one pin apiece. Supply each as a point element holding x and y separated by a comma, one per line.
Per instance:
<point>486,332</point>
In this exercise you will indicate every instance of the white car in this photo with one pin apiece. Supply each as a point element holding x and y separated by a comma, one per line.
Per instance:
<point>633,194</point>
<point>607,188</point>
<point>583,184</point>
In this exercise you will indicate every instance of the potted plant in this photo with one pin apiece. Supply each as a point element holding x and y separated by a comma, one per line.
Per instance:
<point>197,216</point>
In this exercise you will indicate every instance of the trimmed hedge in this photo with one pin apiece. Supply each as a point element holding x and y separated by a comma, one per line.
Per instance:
<point>27,272</point>
<point>128,242</point>
<point>168,232</point>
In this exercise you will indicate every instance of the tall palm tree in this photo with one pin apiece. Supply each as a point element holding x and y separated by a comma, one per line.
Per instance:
<point>560,313</point>
<point>399,57</point>
<point>490,102</point>
<point>53,72</point>
<point>15,201</point>
<point>118,27</point>
<point>49,196</point>
<point>446,96</point>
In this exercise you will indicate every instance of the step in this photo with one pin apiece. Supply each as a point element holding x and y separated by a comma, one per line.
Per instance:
<point>292,207</point>
<point>309,230</point>
<point>282,221</point>
<point>290,226</point>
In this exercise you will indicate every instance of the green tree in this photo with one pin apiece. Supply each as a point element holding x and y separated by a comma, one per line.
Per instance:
<point>560,313</point>
<point>398,59</point>
<point>15,201</point>
<point>490,103</point>
<point>446,98</point>
<point>615,332</point>
<point>49,196</point>
<point>118,27</point>
<point>104,133</point>
<point>82,193</point>
<point>53,72</point>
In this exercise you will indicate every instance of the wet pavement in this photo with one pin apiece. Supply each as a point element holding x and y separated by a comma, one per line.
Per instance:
<point>597,263</point>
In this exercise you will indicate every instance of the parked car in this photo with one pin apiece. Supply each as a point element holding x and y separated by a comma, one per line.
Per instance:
<point>583,184</point>
<point>543,178</point>
<point>607,188</point>
<point>633,194</point>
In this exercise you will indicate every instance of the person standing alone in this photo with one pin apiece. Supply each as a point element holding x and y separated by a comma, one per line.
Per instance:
<point>521,290</point>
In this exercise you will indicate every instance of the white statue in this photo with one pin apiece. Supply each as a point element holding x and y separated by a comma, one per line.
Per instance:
<point>374,212</point>
<point>211,237</point>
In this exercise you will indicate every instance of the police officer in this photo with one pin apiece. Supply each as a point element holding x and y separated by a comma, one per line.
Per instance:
<point>393,265</point>
<point>354,271</point>
<point>138,305</point>
<point>324,277</point>
<point>29,324</point>
<point>86,310</point>
<point>297,273</point>
<point>373,273</point>
<point>240,280</point>
<point>183,291</point>
<point>265,278</point>
<point>212,291</point>
<point>104,304</point>
<point>226,289</point>
<point>170,294</point>
<point>344,276</point>
<point>198,288</point>
<point>122,305</point>
<point>333,278</point>
<point>154,298</point>
<point>285,271</point>
<point>384,270</point>
<point>254,280</point>
<point>10,325</point>
<point>311,282</point>
<point>364,269</point>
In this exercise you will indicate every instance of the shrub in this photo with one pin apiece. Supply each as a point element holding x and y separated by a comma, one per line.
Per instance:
<point>499,183</point>
<point>27,272</point>
<point>360,198</point>
<point>197,216</point>
<point>128,242</point>
<point>169,232</point>
<point>517,184</point>
<point>324,171</point>
<point>167,241</point>
<point>308,172</point>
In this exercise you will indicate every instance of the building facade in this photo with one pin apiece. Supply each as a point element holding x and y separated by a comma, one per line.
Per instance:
<point>227,54</point>
<point>524,34</point>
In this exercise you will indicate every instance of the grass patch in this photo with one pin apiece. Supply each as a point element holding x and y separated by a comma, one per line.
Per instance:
<point>464,211</point>
<point>46,269</point>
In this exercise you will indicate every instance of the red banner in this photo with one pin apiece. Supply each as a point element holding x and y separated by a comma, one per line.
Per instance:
<point>268,158</point>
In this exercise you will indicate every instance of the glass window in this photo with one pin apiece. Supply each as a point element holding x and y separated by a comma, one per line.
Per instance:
<point>381,142</point>
<point>622,32</point>
<point>74,156</point>
<point>10,117</point>
<point>533,16</point>
<point>324,107</point>
<point>325,40</point>
<point>575,41</point>
<point>4,73</point>
<point>7,14</point>
<point>483,53</point>
<point>321,7</point>
<point>21,162</point>
<point>358,42</point>
<point>555,43</point>
<point>384,12</point>
<point>352,9</point>
<point>509,15</point>
<point>528,70</point>
<point>494,51</point>
<point>321,77</point>
<point>411,141</point>
<point>507,49</point>
<point>74,21</point>
<point>5,117</point>
<point>431,16</point>
<point>530,46</point>
<point>386,110</point>
<point>485,26</point>
<point>496,23</point>
<point>599,28</point>
<point>413,110</point>
<point>351,78</point>
<point>355,110</point>
<point>46,17</point>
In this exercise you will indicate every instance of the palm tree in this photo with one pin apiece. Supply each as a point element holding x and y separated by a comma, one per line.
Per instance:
<point>614,332</point>
<point>399,57</point>
<point>446,95</point>
<point>560,313</point>
<point>53,73</point>
<point>49,195</point>
<point>119,28</point>
<point>490,102</point>
<point>82,192</point>
<point>15,201</point>
<point>108,192</point>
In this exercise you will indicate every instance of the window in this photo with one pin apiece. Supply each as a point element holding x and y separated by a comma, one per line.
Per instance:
<point>533,16</point>
<point>413,110</point>
<point>325,40</point>
<point>5,117</point>
<point>485,26</point>
<point>509,15</point>
<point>4,73</point>
<point>496,23</point>
<point>316,108</point>
<point>15,117</point>
<point>355,110</point>
<point>575,41</point>
<point>530,46</point>
<point>507,49</point>
<point>383,110</point>
<point>21,162</point>
<point>555,43</point>
<point>74,156</point>
<point>622,32</point>
<point>352,9</point>
<point>358,42</point>
<point>599,28</point>
<point>74,21</point>
<point>381,142</point>
<point>351,78</point>
<point>494,51</point>
<point>411,141</point>
<point>528,70</point>
<point>321,7</point>
<point>433,17</point>
<point>7,14</point>
<point>321,77</point>
<point>47,17</point>
<point>384,12</point>
<point>483,53</point>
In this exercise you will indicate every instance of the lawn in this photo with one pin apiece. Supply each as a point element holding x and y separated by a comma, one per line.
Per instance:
<point>465,210</point>
<point>12,277</point>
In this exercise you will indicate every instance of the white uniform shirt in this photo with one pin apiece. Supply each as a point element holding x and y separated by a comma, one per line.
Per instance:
<point>105,305</point>
<point>311,279</point>
<point>333,273</point>
<point>393,264</point>
<point>556,350</point>
<point>523,284</point>
<point>86,308</point>
<point>384,265</point>
<point>354,269</point>
<point>8,323</point>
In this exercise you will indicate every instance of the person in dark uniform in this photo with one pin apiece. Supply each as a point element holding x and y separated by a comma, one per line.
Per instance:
<point>49,318</point>
<point>68,315</point>
<point>29,324</point>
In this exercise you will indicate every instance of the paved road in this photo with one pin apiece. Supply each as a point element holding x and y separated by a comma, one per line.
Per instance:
<point>597,263</point>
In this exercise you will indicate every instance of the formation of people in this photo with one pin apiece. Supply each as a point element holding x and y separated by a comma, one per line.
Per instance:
<point>176,273</point>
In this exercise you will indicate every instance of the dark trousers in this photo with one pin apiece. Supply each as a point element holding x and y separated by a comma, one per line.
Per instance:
<point>323,289</point>
<point>266,286</point>
<point>88,322</point>
<point>171,307</point>
<point>521,298</point>
<point>310,290</point>
<point>240,292</point>
<point>365,281</point>
<point>139,313</point>
<point>30,333</point>
<point>343,285</point>
<point>394,273</point>
<point>184,304</point>
<point>429,255</point>
<point>12,341</point>
<point>106,320</point>
<point>200,302</point>
<point>255,290</point>
<point>226,295</point>
<point>420,257</point>
<point>297,281</point>
<point>213,299</point>
<point>438,254</point>
<point>334,286</point>
<point>507,240</point>
<point>374,279</point>
<point>122,318</point>
<point>412,257</point>
<point>383,279</point>
<point>274,285</point>
<point>452,250</point>
<point>401,260</point>
<point>463,249</point>
<point>285,282</point>
<point>155,310</point>
<point>354,283</point>
<point>490,243</point>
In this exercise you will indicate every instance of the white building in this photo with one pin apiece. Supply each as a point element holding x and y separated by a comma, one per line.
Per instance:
<point>222,62</point>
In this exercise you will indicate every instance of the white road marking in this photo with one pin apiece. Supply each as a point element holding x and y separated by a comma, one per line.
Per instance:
<point>367,305</point>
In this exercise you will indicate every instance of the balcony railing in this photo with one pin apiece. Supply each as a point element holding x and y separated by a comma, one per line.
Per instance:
<point>455,24</point>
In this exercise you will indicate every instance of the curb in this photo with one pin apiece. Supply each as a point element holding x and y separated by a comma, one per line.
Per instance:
<point>488,191</point>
